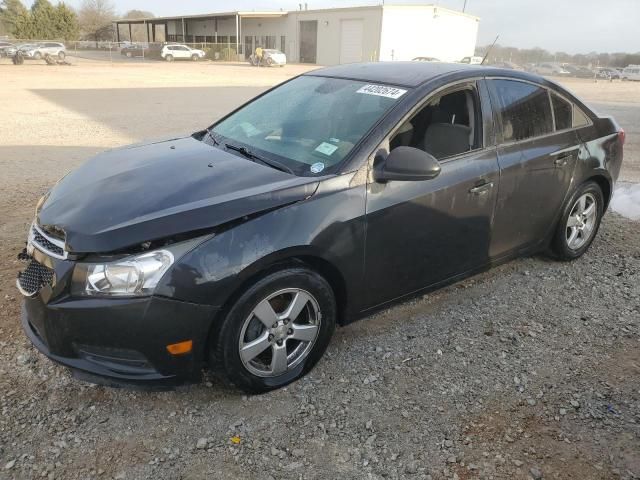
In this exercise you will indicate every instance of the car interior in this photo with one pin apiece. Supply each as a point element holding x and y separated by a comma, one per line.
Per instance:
<point>447,125</point>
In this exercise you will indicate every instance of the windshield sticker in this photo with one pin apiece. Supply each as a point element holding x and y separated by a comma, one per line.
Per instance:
<point>326,148</point>
<point>382,91</point>
<point>317,167</point>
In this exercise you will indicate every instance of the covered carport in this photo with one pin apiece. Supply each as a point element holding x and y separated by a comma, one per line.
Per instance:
<point>215,28</point>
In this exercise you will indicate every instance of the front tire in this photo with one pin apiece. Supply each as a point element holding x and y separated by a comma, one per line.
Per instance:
<point>579,222</point>
<point>62,55</point>
<point>195,58</point>
<point>276,331</point>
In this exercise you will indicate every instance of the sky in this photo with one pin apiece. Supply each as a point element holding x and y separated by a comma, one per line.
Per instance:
<point>573,26</point>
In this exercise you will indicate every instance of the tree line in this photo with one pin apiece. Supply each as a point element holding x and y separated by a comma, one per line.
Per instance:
<point>45,21</point>
<point>500,53</point>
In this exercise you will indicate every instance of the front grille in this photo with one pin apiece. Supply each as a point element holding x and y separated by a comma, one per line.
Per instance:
<point>34,278</point>
<point>46,244</point>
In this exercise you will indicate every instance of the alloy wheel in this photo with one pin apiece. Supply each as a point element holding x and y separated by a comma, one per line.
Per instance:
<point>582,221</point>
<point>280,332</point>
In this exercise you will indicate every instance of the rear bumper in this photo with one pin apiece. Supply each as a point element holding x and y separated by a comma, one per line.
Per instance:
<point>121,342</point>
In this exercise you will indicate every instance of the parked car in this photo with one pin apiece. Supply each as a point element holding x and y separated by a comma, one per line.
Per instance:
<point>22,47</point>
<point>472,60</point>
<point>332,195</point>
<point>632,72</point>
<point>608,73</point>
<point>273,57</point>
<point>425,59</point>
<point>577,71</point>
<point>3,47</point>
<point>39,50</point>
<point>180,52</point>
<point>550,69</point>
<point>508,66</point>
<point>270,57</point>
<point>135,50</point>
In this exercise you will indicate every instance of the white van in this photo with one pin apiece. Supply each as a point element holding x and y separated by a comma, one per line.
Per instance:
<point>632,72</point>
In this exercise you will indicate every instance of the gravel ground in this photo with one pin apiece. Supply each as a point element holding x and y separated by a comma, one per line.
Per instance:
<point>531,370</point>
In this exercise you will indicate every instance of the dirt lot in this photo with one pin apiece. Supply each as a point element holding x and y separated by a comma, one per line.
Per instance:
<point>531,370</point>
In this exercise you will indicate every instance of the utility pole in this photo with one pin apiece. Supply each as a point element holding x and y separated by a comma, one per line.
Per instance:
<point>465,6</point>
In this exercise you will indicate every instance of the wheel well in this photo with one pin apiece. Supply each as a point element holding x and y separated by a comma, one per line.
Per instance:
<point>605,186</point>
<point>321,266</point>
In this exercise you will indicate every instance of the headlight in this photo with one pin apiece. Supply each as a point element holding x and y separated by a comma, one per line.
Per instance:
<point>131,276</point>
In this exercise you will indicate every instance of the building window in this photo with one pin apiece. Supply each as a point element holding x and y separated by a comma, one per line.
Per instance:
<point>270,41</point>
<point>283,44</point>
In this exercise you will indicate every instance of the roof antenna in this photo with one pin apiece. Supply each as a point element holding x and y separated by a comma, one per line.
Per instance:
<point>489,50</point>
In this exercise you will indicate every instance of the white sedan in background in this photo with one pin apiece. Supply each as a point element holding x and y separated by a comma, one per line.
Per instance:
<point>181,52</point>
<point>272,57</point>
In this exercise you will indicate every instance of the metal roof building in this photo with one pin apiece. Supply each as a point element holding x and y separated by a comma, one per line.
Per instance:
<point>326,36</point>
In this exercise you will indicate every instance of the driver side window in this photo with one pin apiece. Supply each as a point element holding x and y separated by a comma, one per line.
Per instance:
<point>446,125</point>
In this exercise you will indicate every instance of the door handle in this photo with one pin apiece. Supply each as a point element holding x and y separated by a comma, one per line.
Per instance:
<point>562,158</point>
<point>481,189</point>
<point>560,162</point>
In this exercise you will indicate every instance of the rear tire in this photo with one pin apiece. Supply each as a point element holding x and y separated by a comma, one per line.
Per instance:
<point>169,58</point>
<point>37,55</point>
<point>128,54</point>
<point>258,317</point>
<point>579,222</point>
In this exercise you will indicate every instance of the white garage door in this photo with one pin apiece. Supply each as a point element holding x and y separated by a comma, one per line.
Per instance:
<point>351,41</point>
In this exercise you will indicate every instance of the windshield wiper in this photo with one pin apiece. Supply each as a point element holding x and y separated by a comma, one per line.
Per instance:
<point>212,137</point>
<point>252,156</point>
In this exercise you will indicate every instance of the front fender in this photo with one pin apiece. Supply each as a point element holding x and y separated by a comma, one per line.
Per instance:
<point>328,226</point>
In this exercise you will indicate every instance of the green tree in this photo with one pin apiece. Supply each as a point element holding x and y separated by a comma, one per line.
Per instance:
<point>66,24</point>
<point>43,17</point>
<point>12,13</point>
<point>24,26</point>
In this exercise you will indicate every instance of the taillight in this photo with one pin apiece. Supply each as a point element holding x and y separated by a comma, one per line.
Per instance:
<point>621,136</point>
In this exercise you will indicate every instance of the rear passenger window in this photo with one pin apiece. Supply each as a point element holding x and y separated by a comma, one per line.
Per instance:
<point>524,108</point>
<point>562,111</point>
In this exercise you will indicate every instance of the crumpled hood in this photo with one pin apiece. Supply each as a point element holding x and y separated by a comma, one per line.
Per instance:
<point>134,194</point>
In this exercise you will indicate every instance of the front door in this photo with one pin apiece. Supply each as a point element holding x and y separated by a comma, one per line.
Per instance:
<point>420,233</point>
<point>536,158</point>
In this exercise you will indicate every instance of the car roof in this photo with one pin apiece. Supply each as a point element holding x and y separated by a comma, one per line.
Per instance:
<point>412,74</point>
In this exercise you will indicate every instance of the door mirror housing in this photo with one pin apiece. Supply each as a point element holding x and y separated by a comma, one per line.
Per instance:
<point>407,164</point>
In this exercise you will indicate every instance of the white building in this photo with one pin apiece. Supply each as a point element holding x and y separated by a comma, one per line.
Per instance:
<point>327,36</point>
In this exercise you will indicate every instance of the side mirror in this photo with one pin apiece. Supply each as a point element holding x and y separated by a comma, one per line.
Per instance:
<point>407,164</point>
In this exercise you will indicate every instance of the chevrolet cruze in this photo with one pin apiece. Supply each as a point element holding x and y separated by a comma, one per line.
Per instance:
<point>241,247</point>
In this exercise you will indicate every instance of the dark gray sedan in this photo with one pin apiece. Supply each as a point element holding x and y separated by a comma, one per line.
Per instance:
<point>242,246</point>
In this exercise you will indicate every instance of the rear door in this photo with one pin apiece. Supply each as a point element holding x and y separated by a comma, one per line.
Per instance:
<point>536,158</point>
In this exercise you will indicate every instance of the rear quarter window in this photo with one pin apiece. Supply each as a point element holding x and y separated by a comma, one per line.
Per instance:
<point>524,110</point>
<point>580,119</point>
